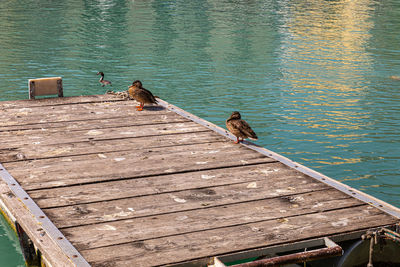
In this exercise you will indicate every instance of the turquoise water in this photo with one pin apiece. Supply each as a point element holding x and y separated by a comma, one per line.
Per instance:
<point>10,252</point>
<point>313,78</point>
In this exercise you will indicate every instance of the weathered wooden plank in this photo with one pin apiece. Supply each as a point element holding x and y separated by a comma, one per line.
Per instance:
<point>74,104</point>
<point>32,151</point>
<point>95,123</point>
<point>179,248</point>
<point>55,101</point>
<point>161,198</point>
<point>177,223</point>
<point>273,174</point>
<point>91,168</point>
<point>32,226</point>
<point>29,116</point>
<point>194,200</point>
<point>70,136</point>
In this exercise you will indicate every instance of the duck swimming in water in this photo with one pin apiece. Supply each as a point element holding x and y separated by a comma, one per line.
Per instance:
<point>102,81</point>
<point>140,94</point>
<point>239,127</point>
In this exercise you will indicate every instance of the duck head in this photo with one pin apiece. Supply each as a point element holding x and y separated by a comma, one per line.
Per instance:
<point>137,83</point>
<point>235,116</point>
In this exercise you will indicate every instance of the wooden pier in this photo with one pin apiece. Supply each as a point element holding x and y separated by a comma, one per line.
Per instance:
<point>91,181</point>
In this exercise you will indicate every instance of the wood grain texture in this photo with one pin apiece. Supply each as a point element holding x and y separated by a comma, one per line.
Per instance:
<point>179,248</point>
<point>21,152</point>
<point>82,123</point>
<point>181,222</point>
<point>56,101</point>
<point>272,174</point>
<point>194,198</point>
<point>91,168</point>
<point>28,117</point>
<point>44,137</point>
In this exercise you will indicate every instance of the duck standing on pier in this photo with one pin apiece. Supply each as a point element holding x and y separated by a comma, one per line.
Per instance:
<point>102,81</point>
<point>239,127</point>
<point>140,94</point>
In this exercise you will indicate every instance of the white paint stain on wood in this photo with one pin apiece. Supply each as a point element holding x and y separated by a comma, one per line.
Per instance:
<point>267,172</point>
<point>340,223</point>
<point>179,200</point>
<point>94,132</point>
<point>207,177</point>
<point>317,205</point>
<point>106,227</point>
<point>288,189</point>
<point>252,185</point>
<point>181,218</point>
<point>117,215</point>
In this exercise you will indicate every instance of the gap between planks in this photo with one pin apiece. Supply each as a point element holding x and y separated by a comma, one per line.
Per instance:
<point>13,119</point>
<point>60,150</point>
<point>89,214</point>
<point>12,122</point>
<point>88,169</point>
<point>192,221</point>
<point>56,101</point>
<point>233,239</point>
<point>156,174</point>
<point>44,136</point>
<point>107,134</point>
<point>104,123</point>
<point>166,183</point>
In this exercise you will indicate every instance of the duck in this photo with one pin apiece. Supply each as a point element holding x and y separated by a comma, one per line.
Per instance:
<point>102,81</point>
<point>140,94</point>
<point>239,128</point>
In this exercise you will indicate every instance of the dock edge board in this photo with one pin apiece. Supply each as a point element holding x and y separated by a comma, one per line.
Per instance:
<point>46,224</point>
<point>377,203</point>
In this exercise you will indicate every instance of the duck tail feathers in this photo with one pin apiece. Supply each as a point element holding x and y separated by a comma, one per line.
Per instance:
<point>253,137</point>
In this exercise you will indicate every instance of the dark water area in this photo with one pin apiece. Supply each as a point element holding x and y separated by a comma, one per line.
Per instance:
<point>318,81</point>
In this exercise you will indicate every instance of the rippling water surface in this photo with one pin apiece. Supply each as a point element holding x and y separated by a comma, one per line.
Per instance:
<point>313,78</point>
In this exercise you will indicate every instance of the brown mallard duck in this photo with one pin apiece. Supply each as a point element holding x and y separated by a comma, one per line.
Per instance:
<point>239,127</point>
<point>102,81</point>
<point>140,94</point>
